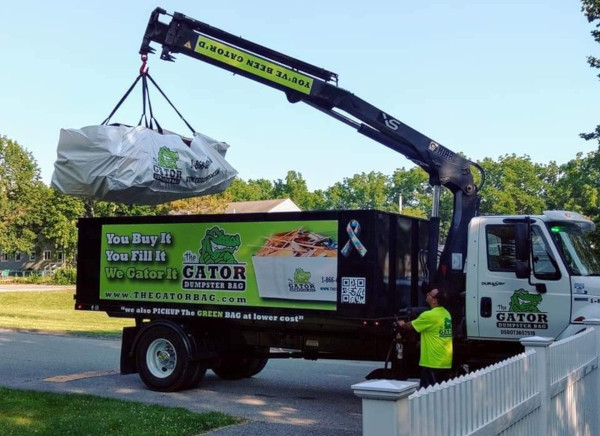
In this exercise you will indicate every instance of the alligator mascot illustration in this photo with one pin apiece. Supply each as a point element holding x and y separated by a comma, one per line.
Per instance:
<point>523,301</point>
<point>167,158</point>
<point>219,247</point>
<point>301,277</point>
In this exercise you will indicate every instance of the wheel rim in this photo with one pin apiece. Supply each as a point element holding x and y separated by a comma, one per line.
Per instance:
<point>161,358</point>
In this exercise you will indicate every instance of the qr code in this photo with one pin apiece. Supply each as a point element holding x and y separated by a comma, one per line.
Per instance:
<point>353,290</point>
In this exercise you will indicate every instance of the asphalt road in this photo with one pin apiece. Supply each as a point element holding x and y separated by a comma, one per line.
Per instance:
<point>288,398</point>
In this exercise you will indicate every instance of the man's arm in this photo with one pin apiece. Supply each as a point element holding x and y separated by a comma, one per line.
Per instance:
<point>405,325</point>
<point>419,324</point>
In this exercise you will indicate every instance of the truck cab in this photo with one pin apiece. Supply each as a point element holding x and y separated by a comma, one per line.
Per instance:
<point>554,289</point>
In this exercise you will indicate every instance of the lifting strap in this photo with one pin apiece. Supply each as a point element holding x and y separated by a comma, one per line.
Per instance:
<point>148,118</point>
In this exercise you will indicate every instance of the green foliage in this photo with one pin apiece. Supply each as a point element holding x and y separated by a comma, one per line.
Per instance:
<point>252,190</point>
<point>577,186</point>
<point>578,189</point>
<point>195,205</point>
<point>591,10</point>
<point>95,208</point>
<point>362,191</point>
<point>36,278</point>
<point>59,216</point>
<point>413,186</point>
<point>515,186</point>
<point>65,276</point>
<point>296,189</point>
<point>21,193</point>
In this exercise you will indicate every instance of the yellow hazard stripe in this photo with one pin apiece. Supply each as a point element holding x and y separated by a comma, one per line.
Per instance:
<point>255,65</point>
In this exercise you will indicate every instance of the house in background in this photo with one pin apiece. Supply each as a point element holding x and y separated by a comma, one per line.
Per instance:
<point>44,260</point>
<point>279,205</point>
<point>260,206</point>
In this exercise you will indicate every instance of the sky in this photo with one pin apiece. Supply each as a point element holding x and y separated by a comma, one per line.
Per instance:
<point>485,78</point>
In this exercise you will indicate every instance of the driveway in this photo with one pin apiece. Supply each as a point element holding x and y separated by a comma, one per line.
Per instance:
<point>289,398</point>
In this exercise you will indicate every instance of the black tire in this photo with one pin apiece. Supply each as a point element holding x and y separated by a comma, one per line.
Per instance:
<point>197,371</point>
<point>262,362</point>
<point>163,360</point>
<point>232,367</point>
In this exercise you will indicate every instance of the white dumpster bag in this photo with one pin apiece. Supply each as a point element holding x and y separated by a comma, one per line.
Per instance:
<point>137,165</point>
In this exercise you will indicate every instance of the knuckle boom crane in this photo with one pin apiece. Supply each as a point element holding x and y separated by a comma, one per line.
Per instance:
<point>317,87</point>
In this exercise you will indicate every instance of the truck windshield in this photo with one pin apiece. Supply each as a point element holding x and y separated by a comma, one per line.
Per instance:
<point>575,249</point>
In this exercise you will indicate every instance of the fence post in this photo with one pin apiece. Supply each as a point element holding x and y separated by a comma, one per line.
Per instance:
<point>595,323</point>
<point>385,408</point>
<point>540,345</point>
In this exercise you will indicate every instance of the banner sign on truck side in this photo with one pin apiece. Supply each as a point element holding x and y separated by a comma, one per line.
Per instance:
<point>254,264</point>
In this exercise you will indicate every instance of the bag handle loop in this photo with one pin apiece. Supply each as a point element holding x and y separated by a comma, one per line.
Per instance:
<point>150,120</point>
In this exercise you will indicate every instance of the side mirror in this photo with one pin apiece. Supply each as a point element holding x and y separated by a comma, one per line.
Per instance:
<point>523,250</point>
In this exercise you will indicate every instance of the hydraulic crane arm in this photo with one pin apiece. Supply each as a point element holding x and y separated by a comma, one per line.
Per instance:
<point>312,85</point>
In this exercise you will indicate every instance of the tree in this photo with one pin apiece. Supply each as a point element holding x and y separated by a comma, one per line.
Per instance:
<point>413,188</point>
<point>514,185</point>
<point>361,191</point>
<point>591,9</point>
<point>578,189</point>
<point>97,208</point>
<point>21,194</point>
<point>196,205</point>
<point>296,189</point>
<point>252,190</point>
<point>59,216</point>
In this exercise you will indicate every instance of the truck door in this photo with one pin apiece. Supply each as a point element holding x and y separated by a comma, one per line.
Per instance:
<point>511,308</point>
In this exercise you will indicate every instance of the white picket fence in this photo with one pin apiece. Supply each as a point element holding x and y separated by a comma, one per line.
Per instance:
<point>550,389</point>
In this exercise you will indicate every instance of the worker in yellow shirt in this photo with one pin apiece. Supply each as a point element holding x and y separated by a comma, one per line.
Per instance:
<point>435,327</point>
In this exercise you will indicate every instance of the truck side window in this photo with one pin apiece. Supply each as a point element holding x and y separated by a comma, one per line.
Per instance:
<point>544,265</point>
<point>501,248</point>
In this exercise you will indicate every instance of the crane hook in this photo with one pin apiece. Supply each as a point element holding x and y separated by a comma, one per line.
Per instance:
<point>144,67</point>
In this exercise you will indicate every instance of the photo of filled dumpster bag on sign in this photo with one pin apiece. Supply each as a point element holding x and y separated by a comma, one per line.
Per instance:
<point>141,164</point>
<point>297,265</point>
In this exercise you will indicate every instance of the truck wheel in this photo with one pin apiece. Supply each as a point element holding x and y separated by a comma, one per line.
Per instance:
<point>197,375</point>
<point>198,370</point>
<point>236,367</point>
<point>261,365</point>
<point>163,360</point>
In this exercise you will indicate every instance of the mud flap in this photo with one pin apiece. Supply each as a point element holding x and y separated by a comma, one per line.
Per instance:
<point>128,365</point>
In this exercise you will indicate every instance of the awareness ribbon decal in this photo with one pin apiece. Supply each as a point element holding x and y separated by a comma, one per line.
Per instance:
<point>353,229</point>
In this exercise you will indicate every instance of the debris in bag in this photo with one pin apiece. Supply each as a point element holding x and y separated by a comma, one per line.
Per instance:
<point>298,243</point>
<point>137,165</point>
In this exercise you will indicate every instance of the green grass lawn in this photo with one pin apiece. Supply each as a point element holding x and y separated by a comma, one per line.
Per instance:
<point>53,311</point>
<point>47,414</point>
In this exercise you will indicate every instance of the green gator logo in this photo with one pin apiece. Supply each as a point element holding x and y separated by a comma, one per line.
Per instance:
<point>301,282</point>
<point>219,247</point>
<point>522,301</point>
<point>215,267</point>
<point>522,315</point>
<point>301,277</point>
<point>165,166</point>
<point>167,158</point>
